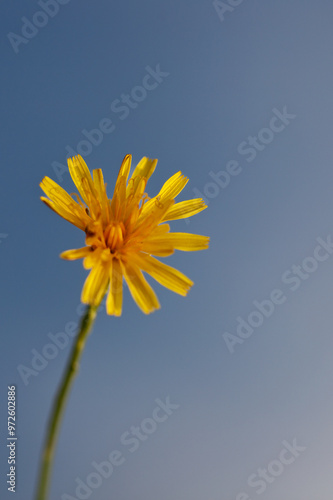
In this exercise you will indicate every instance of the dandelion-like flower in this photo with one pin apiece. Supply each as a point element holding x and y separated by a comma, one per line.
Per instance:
<point>125,232</point>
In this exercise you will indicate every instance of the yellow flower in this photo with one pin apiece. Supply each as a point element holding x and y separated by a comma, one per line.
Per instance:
<point>123,233</point>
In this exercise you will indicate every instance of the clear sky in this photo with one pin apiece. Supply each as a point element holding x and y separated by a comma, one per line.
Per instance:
<point>238,96</point>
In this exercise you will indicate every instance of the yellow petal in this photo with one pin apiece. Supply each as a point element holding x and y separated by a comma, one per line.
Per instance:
<point>125,168</point>
<point>185,209</point>
<point>69,216</point>
<point>119,193</point>
<point>133,201</point>
<point>165,275</point>
<point>92,258</point>
<point>101,193</point>
<point>144,169</point>
<point>78,253</point>
<point>63,204</point>
<point>95,285</point>
<point>155,247</point>
<point>173,186</point>
<point>181,241</point>
<point>114,300</point>
<point>118,200</point>
<point>161,229</point>
<point>57,194</point>
<point>82,179</point>
<point>141,291</point>
<point>149,220</point>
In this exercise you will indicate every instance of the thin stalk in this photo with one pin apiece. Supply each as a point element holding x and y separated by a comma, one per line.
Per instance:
<point>59,404</point>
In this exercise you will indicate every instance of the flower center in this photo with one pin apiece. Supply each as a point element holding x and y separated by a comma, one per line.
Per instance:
<point>114,236</point>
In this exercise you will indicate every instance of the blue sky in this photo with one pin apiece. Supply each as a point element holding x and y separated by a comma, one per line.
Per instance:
<point>242,106</point>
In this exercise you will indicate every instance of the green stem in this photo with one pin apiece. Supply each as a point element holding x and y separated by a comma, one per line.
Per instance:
<point>60,402</point>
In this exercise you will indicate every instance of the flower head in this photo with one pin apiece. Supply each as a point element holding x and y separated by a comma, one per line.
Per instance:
<point>124,232</point>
